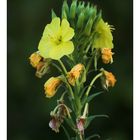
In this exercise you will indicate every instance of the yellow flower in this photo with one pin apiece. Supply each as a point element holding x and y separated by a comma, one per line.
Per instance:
<point>51,86</point>
<point>107,55</point>
<point>108,79</point>
<point>105,38</point>
<point>35,59</point>
<point>75,73</point>
<point>55,42</point>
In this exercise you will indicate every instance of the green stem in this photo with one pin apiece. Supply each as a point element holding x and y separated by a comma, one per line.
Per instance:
<point>92,82</point>
<point>89,63</point>
<point>65,73</point>
<point>85,110</point>
<point>79,136</point>
<point>63,67</point>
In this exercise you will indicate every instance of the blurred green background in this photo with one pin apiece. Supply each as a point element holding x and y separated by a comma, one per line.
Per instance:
<point>28,109</point>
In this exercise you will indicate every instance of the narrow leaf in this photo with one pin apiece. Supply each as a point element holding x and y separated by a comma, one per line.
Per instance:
<point>66,132</point>
<point>93,136</point>
<point>91,118</point>
<point>93,96</point>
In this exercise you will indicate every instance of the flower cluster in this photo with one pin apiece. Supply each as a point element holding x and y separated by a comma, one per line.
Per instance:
<point>72,44</point>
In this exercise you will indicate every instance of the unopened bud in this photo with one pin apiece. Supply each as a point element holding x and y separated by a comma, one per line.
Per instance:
<point>64,15</point>
<point>80,7</point>
<point>89,26</point>
<point>65,7</point>
<point>73,9</point>
<point>80,21</point>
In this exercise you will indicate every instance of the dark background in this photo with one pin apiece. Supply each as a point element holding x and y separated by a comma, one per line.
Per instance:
<point>28,109</point>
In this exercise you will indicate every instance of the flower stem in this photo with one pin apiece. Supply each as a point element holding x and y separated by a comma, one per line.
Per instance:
<point>65,73</point>
<point>63,67</point>
<point>85,110</point>
<point>92,82</point>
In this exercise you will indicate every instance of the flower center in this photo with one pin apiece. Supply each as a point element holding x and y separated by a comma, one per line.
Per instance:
<point>59,40</point>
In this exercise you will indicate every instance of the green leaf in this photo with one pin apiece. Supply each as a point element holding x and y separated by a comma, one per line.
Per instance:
<point>83,91</point>
<point>66,132</point>
<point>91,118</point>
<point>70,123</point>
<point>89,98</point>
<point>57,67</point>
<point>93,136</point>
<point>93,96</point>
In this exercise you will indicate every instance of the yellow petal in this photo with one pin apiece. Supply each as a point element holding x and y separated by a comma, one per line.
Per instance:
<point>52,29</point>
<point>67,47</point>
<point>45,47</point>
<point>63,49</point>
<point>66,31</point>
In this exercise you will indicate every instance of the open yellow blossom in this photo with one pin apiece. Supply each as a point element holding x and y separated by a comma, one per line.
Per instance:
<point>107,55</point>
<point>51,86</point>
<point>105,38</point>
<point>108,79</point>
<point>35,59</point>
<point>75,73</point>
<point>55,42</point>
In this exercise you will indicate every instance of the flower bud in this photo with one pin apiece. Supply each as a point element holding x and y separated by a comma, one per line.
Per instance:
<point>73,9</point>
<point>89,26</point>
<point>64,15</point>
<point>65,7</point>
<point>75,73</point>
<point>80,7</point>
<point>51,86</point>
<point>80,21</point>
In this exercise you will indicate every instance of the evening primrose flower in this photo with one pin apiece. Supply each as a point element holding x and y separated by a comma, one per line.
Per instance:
<point>51,86</point>
<point>35,59</point>
<point>107,55</point>
<point>108,79</point>
<point>75,73</point>
<point>104,38</point>
<point>56,40</point>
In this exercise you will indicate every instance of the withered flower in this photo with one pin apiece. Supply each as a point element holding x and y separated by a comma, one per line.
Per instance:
<point>75,73</point>
<point>106,54</point>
